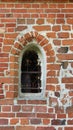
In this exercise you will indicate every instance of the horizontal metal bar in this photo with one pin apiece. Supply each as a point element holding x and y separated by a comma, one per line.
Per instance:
<point>31,72</point>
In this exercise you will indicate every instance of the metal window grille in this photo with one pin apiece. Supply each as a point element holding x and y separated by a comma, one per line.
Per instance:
<point>30,72</point>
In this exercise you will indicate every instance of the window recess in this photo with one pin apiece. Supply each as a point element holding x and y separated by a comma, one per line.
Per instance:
<point>30,72</point>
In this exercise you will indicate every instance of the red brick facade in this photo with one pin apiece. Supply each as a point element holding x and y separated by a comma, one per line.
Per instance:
<point>50,24</point>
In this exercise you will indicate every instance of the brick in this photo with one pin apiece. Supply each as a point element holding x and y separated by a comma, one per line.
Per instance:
<point>27,108</point>
<point>71,93</point>
<point>50,87</point>
<point>25,128</point>
<point>7,128</point>
<point>37,102</point>
<point>70,122</point>
<point>14,35</point>
<point>6,108</point>
<point>8,41</point>
<point>59,109</point>
<point>10,25</point>
<point>40,21</point>
<point>70,115</point>
<point>20,114</point>
<point>30,21</point>
<point>5,59</point>
<point>60,21</point>
<point>24,121</point>
<point>6,102</point>
<point>19,10</point>
<point>57,94</point>
<point>71,48</point>
<point>3,121</point>
<point>6,48</point>
<point>63,35</point>
<point>56,28</point>
<point>21,102</point>
<point>50,59</point>
<point>14,121</point>
<point>46,121</point>
<point>57,42</point>
<point>68,128</point>
<point>65,56</point>
<point>35,121</point>
<point>42,28</point>
<point>40,38</point>
<point>52,11</point>
<point>8,20</point>
<point>70,21</point>
<point>20,21</point>
<point>67,80</point>
<point>58,122</point>
<point>51,21</point>
<point>63,50</point>
<point>45,115</point>
<point>64,65</point>
<point>43,5</point>
<point>53,67</point>
<point>11,94</point>
<point>51,16</point>
<point>51,35</point>
<point>45,128</point>
<point>63,116</point>
<point>16,108</point>
<point>40,109</point>
<point>20,28</point>
<point>51,73</point>
<point>33,15</point>
<point>52,80</point>
<point>66,27</point>
<point>7,115</point>
<point>69,86</point>
<point>35,5</point>
<point>67,42</point>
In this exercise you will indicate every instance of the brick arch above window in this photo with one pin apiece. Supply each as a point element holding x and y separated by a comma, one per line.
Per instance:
<point>19,45</point>
<point>28,37</point>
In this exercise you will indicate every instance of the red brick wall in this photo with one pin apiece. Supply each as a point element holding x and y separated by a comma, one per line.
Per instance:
<point>51,25</point>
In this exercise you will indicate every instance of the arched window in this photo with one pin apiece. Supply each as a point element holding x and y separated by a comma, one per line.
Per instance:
<point>30,72</point>
<point>33,74</point>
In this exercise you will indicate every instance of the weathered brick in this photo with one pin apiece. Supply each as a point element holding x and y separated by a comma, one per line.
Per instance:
<point>63,50</point>
<point>46,121</point>
<point>3,121</point>
<point>67,80</point>
<point>25,128</point>
<point>58,122</point>
<point>70,122</point>
<point>7,128</point>
<point>40,109</point>
<point>63,35</point>
<point>40,21</point>
<point>42,28</point>
<point>24,121</point>
<point>6,108</point>
<point>35,121</point>
<point>68,128</point>
<point>64,65</point>
<point>43,128</point>
<point>51,35</point>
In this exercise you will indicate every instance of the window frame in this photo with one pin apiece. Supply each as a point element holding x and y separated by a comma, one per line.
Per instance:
<point>42,56</point>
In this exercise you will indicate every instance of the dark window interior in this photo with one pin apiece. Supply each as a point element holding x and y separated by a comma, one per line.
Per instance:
<point>30,72</point>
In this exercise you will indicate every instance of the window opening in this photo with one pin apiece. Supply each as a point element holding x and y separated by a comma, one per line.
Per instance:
<point>30,72</point>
